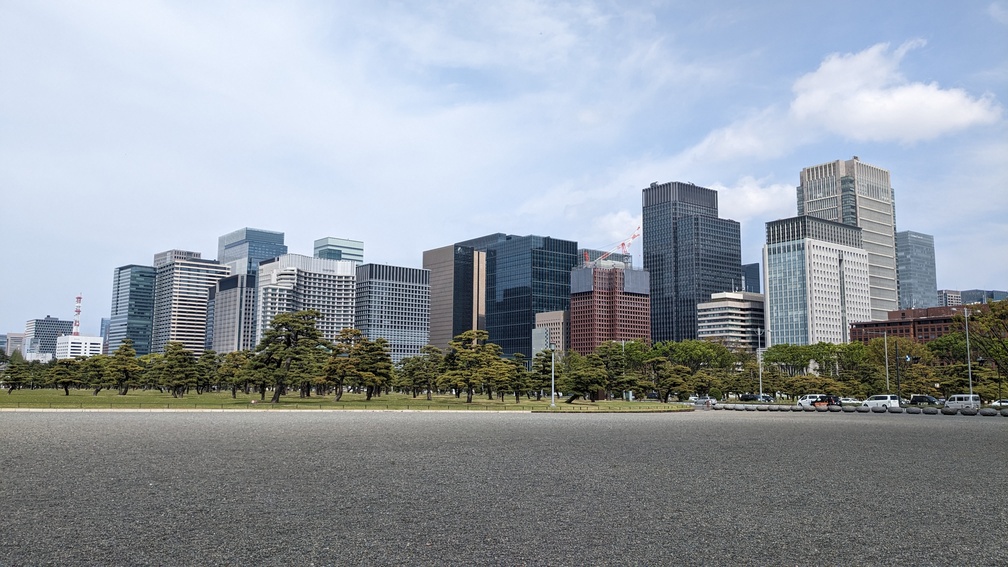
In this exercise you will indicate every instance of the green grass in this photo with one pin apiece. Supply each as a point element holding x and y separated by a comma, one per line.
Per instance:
<point>153,399</point>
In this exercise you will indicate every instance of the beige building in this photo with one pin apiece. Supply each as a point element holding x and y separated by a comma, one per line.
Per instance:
<point>457,292</point>
<point>734,319</point>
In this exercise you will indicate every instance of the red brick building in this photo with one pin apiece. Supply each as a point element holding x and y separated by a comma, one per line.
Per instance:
<point>918,325</point>
<point>608,303</point>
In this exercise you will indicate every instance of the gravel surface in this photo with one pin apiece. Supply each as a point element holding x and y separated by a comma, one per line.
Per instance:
<point>409,488</point>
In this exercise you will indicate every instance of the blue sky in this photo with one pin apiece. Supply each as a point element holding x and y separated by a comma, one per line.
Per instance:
<point>127,129</point>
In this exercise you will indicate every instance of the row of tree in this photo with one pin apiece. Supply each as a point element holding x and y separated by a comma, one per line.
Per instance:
<point>293,356</point>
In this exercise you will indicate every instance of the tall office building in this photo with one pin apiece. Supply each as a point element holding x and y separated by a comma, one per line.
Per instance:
<point>293,282</point>
<point>817,280</point>
<point>949,298</point>
<point>970,296</point>
<point>915,269</point>
<point>393,303</point>
<point>736,319</point>
<point>551,331</point>
<point>525,275</point>
<point>690,254</point>
<point>751,280</point>
<point>243,249</point>
<point>15,342</point>
<point>77,346</point>
<point>608,303</point>
<point>182,285</point>
<point>457,292</point>
<point>132,308</point>
<point>3,343</point>
<point>857,194</point>
<point>330,248</point>
<point>231,323</point>
<point>40,337</point>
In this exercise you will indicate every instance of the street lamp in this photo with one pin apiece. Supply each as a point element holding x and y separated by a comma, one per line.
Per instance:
<point>969,360</point>
<point>552,375</point>
<point>759,359</point>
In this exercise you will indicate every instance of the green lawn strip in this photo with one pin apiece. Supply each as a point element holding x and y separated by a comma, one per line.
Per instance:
<point>152,399</point>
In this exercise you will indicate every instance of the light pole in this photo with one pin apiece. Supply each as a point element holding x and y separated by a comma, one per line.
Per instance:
<point>969,359</point>
<point>885,339</point>
<point>759,359</point>
<point>552,375</point>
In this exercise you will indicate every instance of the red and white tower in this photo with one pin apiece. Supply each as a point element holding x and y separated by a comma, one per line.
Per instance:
<point>76,322</point>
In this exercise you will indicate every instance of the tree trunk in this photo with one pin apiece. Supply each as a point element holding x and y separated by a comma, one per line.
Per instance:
<point>517,396</point>
<point>66,390</point>
<point>369,391</point>
<point>469,395</point>
<point>234,391</point>
<point>96,390</point>
<point>339,389</point>
<point>571,399</point>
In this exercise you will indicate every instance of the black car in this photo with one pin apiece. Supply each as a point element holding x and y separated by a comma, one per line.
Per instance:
<point>749,398</point>
<point>923,400</point>
<point>826,400</point>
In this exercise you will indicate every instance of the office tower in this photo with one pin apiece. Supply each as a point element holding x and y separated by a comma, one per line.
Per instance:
<point>735,319</point>
<point>15,342</point>
<point>751,279</point>
<point>3,343</point>
<point>857,194</point>
<point>915,270</point>
<point>817,280</point>
<point>393,303</point>
<point>525,275</point>
<point>103,333</point>
<point>330,248</point>
<point>970,296</point>
<point>243,249</point>
<point>608,304</point>
<point>231,316</point>
<point>690,254</point>
<point>77,346</point>
<point>132,308</point>
<point>40,337</point>
<point>551,331</point>
<point>182,285</point>
<point>293,282</point>
<point>949,298</point>
<point>457,292</point>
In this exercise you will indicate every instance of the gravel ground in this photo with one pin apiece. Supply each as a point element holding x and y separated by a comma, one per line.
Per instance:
<point>401,488</point>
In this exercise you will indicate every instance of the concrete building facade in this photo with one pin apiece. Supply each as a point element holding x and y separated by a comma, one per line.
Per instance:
<point>40,336</point>
<point>294,282</point>
<point>330,248</point>
<point>181,293</point>
<point>816,281</point>
<point>855,193</point>
<point>77,346</point>
<point>457,291</point>
<point>736,319</point>
<point>393,303</point>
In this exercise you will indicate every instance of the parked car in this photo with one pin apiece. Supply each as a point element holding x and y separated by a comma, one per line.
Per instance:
<point>705,401</point>
<point>1000,404</point>
<point>882,401</point>
<point>960,401</point>
<point>923,400</point>
<point>749,398</point>
<point>765,398</point>
<point>850,401</point>
<point>808,399</point>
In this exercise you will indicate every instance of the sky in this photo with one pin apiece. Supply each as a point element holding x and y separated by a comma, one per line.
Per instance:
<point>131,128</point>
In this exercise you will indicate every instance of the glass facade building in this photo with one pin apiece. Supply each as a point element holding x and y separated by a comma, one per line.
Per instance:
<point>690,254</point>
<point>132,308</point>
<point>457,291</point>
<point>330,248</point>
<point>243,249</point>
<point>915,266</point>
<point>525,275</point>
<point>231,316</point>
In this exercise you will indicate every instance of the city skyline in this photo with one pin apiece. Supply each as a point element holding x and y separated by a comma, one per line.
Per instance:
<point>134,129</point>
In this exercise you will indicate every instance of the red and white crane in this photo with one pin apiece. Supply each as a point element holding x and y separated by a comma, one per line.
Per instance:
<point>623,247</point>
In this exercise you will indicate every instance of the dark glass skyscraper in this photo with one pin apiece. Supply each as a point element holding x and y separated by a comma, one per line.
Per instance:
<point>525,275</point>
<point>231,323</point>
<point>690,253</point>
<point>132,308</point>
<point>915,270</point>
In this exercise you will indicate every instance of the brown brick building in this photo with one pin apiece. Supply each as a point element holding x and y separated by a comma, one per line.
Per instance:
<point>608,303</point>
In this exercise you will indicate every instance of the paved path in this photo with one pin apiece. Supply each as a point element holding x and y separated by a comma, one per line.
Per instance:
<point>276,488</point>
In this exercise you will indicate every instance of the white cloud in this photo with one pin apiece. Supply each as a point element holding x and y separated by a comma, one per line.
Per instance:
<point>998,12</point>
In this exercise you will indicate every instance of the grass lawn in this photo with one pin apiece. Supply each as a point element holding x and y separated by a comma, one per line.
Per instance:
<point>152,399</point>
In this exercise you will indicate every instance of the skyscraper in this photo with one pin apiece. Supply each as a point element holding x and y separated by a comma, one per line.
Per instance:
<point>608,303</point>
<point>457,291</point>
<point>393,303</point>
<point>181,290</point>
<point>857,194</point>
<point>690,254</point>
<point>293,282</point>
<point>525,275</point>
<point>817,280</point>
<point>736,319</point>
<point>751,280</point>
<point>915,266</point>
<point>330,248</point>
<point>233,324</point>
<point>40,337</point>
<point>132,308</point>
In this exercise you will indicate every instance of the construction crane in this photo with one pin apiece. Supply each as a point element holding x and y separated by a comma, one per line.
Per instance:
<point>623,247</point>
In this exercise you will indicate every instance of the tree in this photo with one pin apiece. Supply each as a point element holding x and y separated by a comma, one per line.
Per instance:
<point>470,362</point>
<point>94,373</point>
<point>374,366</point>
<point>178,369</point>
<point>64,373</point>
<point>207,368</point>
<point>342,361</point>
<point>288,348</point>
<point>123,367</point>
<point>16,373</point>
<point>584,376</point>
<point>542,375</point>
<point>234,370</point>
<point>421,371</point>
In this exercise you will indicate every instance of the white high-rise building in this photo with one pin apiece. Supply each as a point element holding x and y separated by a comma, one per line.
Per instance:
<point>736,319</point>
<point>857,194</point>
<point>293,282</point>
<point>74,346</point>
<point>182,282</point>
<point>816,281</point>
<point>331,248</point>
<point>393,303</point>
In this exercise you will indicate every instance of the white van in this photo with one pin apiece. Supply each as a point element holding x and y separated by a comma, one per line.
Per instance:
<point>882,401</point>
<point>960,401</point>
